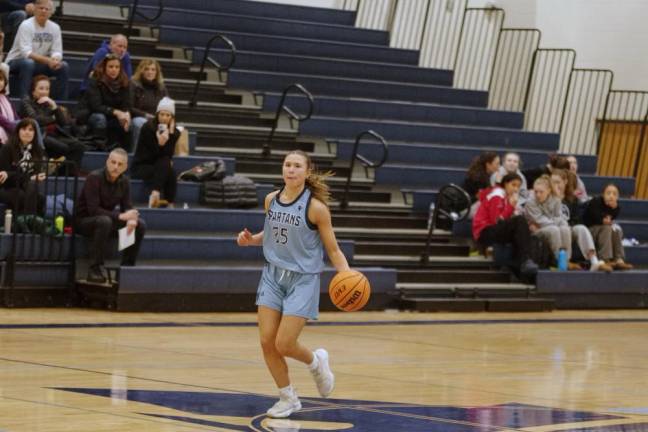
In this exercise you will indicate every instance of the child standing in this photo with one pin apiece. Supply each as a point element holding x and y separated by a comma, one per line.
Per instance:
<point>297,225</point>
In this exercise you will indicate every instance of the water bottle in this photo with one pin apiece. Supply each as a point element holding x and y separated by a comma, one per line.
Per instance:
<point>59,223</point>
<point>8,218</point>
<point>562,260</point>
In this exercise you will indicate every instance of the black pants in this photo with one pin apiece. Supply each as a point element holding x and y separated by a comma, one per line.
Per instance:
<point>161,175</point>
<point>514,230</point>
<point>70,148</point>
<point>100,229</point>
<point>25,199</point>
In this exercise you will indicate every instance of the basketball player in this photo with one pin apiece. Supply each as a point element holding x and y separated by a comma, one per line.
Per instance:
<point>297,224</point>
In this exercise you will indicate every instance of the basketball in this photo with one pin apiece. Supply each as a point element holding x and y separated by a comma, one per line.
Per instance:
<point>349,290</point>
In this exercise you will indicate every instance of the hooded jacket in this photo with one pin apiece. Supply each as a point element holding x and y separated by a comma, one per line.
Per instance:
<point>493,207</point>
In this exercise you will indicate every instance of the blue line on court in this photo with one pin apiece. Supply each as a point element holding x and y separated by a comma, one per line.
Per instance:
<point>325,324</point>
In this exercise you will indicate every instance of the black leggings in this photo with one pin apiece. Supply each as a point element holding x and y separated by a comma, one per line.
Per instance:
<point>514,230</point>
<point>161,175</point>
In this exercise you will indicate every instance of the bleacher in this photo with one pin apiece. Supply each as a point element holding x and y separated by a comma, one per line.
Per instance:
<point>189,260</point>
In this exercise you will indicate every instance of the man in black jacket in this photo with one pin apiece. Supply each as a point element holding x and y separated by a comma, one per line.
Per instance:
<point>105,206</point>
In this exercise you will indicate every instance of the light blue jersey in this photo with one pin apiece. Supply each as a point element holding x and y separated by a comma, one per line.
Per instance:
<point>290,241</point>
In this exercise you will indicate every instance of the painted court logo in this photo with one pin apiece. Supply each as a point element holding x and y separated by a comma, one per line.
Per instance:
<point>246,412</point>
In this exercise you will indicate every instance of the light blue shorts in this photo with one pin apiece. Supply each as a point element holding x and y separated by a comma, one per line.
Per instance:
<point>289,292</point>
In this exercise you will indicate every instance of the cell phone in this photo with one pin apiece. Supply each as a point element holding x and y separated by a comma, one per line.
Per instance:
<point>162,127</point>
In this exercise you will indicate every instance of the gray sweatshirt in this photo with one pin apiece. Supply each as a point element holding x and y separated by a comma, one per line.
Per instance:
<point>544,214</point>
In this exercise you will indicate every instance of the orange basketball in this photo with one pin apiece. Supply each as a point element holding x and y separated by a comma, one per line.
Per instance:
<point>349,290</point>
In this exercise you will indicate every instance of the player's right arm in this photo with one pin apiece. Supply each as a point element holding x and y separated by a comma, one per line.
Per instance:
<point>245,237</point>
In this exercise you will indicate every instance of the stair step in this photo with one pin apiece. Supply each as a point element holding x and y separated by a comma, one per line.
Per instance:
<point>477,305</point>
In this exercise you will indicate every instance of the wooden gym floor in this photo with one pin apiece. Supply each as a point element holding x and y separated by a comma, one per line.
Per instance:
<point>80,370</point>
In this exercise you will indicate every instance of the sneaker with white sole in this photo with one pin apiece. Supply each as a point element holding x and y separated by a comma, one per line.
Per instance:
<point>284,407</point>
<point>322,374</point>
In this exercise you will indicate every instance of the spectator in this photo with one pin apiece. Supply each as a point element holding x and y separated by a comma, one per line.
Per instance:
<point>563,183</point>
<point>38,49</point>
<point>147,90</point>
<point>117,45</point>
<point>478,177</point>
<point>53,122</point>
<point>511,165</point>
<point>104,205</point>
<point>600,214</point>
<point>18,179</point>
<point>108,100</point>
<point>555,161</point>
<point>580,191</point>
<point>496,221</point>
<point>8,116</point>
<point>153,157</point>
<point>13,14</point>
<point>544,214</point>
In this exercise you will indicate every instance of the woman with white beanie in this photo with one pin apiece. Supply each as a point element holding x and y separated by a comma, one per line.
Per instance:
<point>153,156</point>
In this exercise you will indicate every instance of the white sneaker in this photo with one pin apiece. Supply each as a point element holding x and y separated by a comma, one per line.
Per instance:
<point>322,374</point>
<point>284,407</point>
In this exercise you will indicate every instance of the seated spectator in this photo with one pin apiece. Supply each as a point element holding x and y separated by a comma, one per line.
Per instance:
<point>496,221</point>
<point>8,116</point>
<point>117,45</point>
<point>580,192</point>
<point>103,207</point>
<point>600,214</point>
<point>13,14</point>
<point>108,101</point>
<point>18,188</point>
<point>154,153</point>
<point>563,183</point>
<point>511,165</point>
<point>544,214</point>
<point>38,49</point>
<point>54,123</point>
<point>555,161</point>
<point>478,177</point>
<point>147,90</point>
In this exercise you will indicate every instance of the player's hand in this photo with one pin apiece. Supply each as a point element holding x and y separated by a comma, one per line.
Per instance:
<point>244,238</point>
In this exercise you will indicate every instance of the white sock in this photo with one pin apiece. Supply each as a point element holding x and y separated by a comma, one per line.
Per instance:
<point>314,363</point>
<point>287,392</point>
<point>594,260</point>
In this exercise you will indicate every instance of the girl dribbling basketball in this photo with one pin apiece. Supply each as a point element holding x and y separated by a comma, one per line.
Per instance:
<point>297,224</point>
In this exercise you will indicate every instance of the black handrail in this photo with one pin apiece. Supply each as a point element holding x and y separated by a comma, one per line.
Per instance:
<point>438,209</point>
<point>133,11</point>
<point>58,12</point>
<point>218,66</point>
<point>48,245</point>
<point>344,202</point>
<point>267,147</point>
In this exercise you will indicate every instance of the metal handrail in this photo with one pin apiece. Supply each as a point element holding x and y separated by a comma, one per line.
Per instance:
<point>48,242</point>
<point>133,11</point>
<point>344,202</point>
<point>425,256</point>
<point>218,66</point>
<point>267,147</point>
<point>58,12</point>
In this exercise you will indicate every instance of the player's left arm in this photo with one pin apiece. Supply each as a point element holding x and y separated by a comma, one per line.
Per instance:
<point>319,215</point>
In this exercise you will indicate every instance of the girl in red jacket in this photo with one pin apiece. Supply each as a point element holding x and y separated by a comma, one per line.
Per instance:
<point>497,222</point>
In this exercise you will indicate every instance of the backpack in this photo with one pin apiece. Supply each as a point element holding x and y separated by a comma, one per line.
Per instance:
<point>235,191</point>
<point>210,170</point>
<point>540,253</point>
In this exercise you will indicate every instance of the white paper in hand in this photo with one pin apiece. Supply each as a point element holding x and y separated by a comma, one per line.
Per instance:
<point>125,239</point>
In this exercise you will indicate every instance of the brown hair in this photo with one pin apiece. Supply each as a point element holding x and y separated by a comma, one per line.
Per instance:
<point>570,182</point>
<point>4,77</point>
<point>557,161</point>
<point>36,80</point>
<point>477,168</point>
<point>100,70</point>
<point>315,180</point>
<point>143,64</point>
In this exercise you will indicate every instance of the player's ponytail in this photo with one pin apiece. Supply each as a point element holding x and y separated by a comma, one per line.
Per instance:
<point>316,181</point>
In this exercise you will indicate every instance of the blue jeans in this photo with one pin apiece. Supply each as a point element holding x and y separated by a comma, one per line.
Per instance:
<point>136,128</point>
<point>26,69</point>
